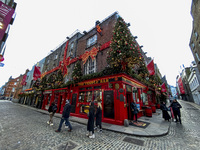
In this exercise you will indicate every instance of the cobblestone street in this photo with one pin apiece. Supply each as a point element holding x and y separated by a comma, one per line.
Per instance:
<point>22,128</point>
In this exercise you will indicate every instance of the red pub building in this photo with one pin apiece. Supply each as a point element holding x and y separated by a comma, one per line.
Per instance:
<point>116,91</point>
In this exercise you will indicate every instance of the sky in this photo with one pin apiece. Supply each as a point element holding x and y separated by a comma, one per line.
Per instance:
<point>163,29</point>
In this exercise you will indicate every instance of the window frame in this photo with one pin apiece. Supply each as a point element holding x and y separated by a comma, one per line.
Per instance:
<point>91,41</point>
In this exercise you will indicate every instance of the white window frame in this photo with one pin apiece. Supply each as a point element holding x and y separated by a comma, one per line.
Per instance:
<point>90,66</point>
<point>92,40</point>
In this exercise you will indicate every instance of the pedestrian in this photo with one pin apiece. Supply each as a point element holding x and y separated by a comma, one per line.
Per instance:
<point>52,110</point>
<point>134,110</point>
<point>99,116</point>
<point>90,124</point>
<point>65,116</point>
<point>165,113</point>
<point>176,110</point>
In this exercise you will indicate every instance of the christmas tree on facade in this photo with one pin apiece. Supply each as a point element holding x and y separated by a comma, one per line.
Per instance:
<point>125,55</point>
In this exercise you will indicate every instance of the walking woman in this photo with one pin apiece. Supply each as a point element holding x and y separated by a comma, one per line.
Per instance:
<point>90,124</point>
<point>99,116</point>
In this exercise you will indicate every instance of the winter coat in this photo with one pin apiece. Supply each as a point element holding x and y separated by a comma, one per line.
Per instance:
<point>165,113</point>
<point>91,116</point>
<point>66,111</point>
<point>52,108</point>
<point>134,109</point>
<point>163,107</point>
<point>176,106</point>
<point>98,116</point>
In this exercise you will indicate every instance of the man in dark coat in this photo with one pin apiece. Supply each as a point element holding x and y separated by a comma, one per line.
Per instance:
<point>52,110</point>
<point>134,110</point>
<point>176,110</point>
<point>90,124</point>
<point>65,117</point>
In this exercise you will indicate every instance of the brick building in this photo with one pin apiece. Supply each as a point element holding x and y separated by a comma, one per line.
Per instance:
<point>195,39</point>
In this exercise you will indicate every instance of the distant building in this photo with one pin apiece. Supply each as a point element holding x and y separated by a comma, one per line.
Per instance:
<point>195,39</point>
<point>194,83</point>
<point>7,16</point>
<point>173,91</point>
<point>183,85</point>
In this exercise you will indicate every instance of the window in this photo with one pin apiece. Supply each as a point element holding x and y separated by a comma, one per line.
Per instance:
<point>197,56</point>
<point>196,35</point>
<point>13,89</point>
<point>56,56</point>
<point>192,45</point>
<point>71,49</point>
<point>92,40</point>
<point>15,83</point>
<point>90,66</point>
<point>97,94</point>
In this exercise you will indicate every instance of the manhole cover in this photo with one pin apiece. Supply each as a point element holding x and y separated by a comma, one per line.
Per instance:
<point>134,141</point>
<point>69,146</point>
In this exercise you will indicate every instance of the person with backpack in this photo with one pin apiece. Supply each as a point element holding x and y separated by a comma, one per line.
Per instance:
<point>52,110</point>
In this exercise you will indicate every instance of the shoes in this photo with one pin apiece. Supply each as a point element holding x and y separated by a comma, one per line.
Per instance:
<point>100,131</point>
<point>66,127</point>
<point>95,128</point>
<point>48,122</point>
<point>70,130</point>
<point>92,136</point>
<point>57,131</point>
<point>51,124</point>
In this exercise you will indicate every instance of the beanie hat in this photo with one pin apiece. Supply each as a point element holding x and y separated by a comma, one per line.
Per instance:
<point>67,101</point>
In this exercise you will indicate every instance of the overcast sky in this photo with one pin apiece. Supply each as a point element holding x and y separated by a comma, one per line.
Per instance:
<point>162,27</point>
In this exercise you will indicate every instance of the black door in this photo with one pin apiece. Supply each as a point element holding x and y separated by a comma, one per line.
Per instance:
<point>73,104</point>
<point>109,104</point>
<point>128,97</point>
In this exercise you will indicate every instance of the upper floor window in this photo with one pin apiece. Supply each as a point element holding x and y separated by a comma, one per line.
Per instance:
<point>56,56</point>
<point>196,35</point>
<point>90,66</point>
<point>92,40</point>
<point>71,47</point>
<point>15,83</point>
<point>197,56</point>
<point>192,45</point>
<point>13,89</point>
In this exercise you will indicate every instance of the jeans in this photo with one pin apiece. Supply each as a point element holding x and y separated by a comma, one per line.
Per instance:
<point>66,122</point>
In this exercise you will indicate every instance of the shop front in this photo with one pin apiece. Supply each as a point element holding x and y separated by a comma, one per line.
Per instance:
<point>116,93</point>
<point>48,96</point>
<point>58,96</point>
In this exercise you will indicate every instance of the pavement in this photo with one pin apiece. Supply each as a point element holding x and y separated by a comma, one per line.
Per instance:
<point>157,126</point>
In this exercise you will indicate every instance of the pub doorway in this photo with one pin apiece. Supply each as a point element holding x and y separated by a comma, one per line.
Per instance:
<point>109,104</point>
<point>128,98</point>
